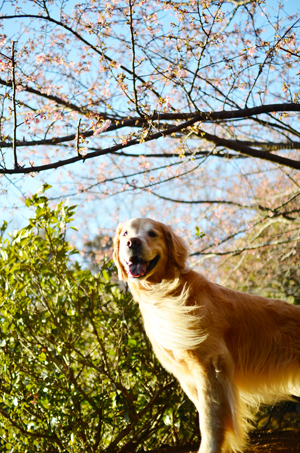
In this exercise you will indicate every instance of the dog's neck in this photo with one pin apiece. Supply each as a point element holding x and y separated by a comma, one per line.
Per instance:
<point>169,320</point>
<point>146,288</point>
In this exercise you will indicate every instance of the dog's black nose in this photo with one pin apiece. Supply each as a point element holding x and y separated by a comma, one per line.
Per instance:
<point>134,243</point>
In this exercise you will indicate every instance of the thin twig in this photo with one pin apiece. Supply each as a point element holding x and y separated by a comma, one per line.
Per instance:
<point>14,109</point>
<point>78,36</point>
<point>78,137</point>
<point>244,249</point>
<point>133,59</point>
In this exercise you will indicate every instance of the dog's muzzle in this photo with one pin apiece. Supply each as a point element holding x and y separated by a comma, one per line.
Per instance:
<point>140,268</point>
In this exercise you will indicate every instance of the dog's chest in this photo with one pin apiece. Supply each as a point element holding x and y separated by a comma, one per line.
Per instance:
<point>171,327</point>
<point>173,344</point>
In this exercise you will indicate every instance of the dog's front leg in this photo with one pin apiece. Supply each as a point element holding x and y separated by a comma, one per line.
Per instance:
<point>217,406</point>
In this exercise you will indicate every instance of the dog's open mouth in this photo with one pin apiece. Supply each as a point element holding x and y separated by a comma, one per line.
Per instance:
<point>139,268</point>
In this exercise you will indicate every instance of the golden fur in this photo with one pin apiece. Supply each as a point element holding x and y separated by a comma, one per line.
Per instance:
<point>230,351</point>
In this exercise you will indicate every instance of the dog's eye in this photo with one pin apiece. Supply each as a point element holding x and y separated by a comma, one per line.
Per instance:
<point>125,234</point>
<point>152,234</point>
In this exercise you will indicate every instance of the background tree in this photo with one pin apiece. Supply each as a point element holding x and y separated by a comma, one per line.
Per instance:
<point>188,108</point>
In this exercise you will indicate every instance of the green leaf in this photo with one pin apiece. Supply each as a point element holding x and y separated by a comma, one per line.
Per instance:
<point>199,233</point>
<point>43,188</point>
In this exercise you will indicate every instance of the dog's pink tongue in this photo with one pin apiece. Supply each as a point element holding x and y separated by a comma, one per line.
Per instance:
<point>138,269</point>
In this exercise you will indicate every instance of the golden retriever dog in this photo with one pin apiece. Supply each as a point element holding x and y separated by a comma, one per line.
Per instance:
<point>230,351</point>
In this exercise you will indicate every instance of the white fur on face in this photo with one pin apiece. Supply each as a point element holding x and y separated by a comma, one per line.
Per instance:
<point>152,245</point>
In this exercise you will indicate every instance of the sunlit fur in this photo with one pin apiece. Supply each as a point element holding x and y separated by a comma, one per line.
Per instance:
<point>230,351</point>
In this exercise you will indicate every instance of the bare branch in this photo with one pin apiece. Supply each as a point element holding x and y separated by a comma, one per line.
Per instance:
<point>138,121</point>
<point>83,109</point>
<point>243,149</point>
<point>78,137</point>
<point>110,150</point>
<point>240,2</point>
<point>244,249</point>
<point>231,144</point>
<point>133,70</point>
<point>210,202</point>
<point>14,104</point>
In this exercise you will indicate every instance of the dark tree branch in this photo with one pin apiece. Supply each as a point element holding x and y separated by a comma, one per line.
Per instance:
<point>271,146</point>
<point>58,100</point>
<point>133,57</point>
<point>196,116</point>
<point>224,154</point>
<point>231,144</point>
<point>248,151</point>
<point>32,434</point>
<point>110,150</point>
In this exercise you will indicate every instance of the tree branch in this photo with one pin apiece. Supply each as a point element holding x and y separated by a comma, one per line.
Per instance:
<point>83,110</point>
<point>246,150</point>
<point>36,435</point>
<point>133,70</point>
<point>203,116</point>
<point>138,121</point>
<point>110,150</point>
<point>14,104</point>
<point>195,117</point>
<point>244,249</point>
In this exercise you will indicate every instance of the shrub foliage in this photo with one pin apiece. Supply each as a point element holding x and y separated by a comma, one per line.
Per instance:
<point>78,374</point>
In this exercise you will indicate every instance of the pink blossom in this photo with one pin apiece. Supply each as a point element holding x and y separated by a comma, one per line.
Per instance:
<point>103,128</point>
<point>4,66</point>
<point>46,159</point>
<point>251,51</point>
<point>41,58</point>
<point>180,73</point>
<point>285,87</point>
<point>84,151</point>
<point>164,102</point>
<point>29,118</point>
<point>167,102</point>
<point>101,20</point>
<point>58,115</point>
<point>125,140</point>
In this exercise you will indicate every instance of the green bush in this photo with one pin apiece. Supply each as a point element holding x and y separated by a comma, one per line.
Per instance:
<point>78,373</point>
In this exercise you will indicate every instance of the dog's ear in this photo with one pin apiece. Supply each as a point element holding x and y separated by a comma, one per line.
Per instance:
<point>116,255</point>
<point>178,250</point>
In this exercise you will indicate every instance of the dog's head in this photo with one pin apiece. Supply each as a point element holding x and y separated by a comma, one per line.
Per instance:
<point>144,248</point>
